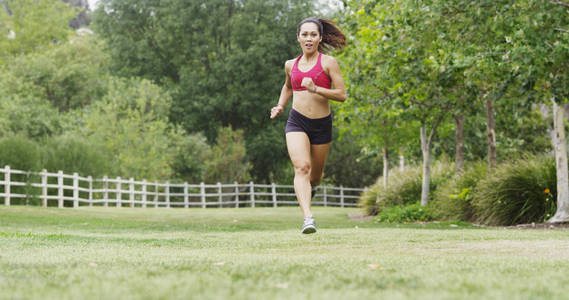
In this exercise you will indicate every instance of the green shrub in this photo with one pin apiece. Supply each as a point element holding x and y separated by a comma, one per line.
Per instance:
<point>23,110</point>
<point>190,160</point>
<point>227,161</point>
<point>131,123</point>
<point>19,153</point>
<point>452,201</point>
<point>404,187</point>
<point>521,191</point>
<point>72,154</point>
<point>404,214</point>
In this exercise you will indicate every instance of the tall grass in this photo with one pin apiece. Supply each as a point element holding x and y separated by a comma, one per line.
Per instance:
<point>521,191</point>
<point>404,187</point>
<point>452,201</point>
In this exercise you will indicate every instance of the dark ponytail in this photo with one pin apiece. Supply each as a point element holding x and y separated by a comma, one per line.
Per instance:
<point>332,36</point>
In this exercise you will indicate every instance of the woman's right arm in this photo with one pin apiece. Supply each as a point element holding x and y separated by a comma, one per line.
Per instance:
<point>286,93</point>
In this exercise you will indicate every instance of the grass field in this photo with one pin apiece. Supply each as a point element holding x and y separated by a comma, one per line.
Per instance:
<point>259,253</point>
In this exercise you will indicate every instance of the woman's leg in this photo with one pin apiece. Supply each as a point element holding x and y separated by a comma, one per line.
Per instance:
<point>318,154</point>
<point>298,147</point>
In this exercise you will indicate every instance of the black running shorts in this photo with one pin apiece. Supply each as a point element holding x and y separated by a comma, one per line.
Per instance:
<point>319,130</point>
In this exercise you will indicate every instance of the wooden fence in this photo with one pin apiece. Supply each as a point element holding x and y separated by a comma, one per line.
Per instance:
<point>62,190</point>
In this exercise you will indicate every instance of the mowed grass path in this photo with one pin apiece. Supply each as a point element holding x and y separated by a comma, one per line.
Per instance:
<point>259,253</point>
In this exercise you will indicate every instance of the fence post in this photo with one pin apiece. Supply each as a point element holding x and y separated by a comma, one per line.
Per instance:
<point>131,192</point>
<point>202,192</point>
<point>106,191</point>
<point>186,196</point>
<point>44,188</point>
<point>7,185</point>
<point>274,192</point>
<point>90,179</point>
<point>118,193</point>
<point>341,196</point>
<point>60,189</point>
<point>155,194</point>
<point>75,190</point>
<point>144,193</point>
<point>324,196</point>
<point>167,194</point>
<point>236,194</point>
<point>220,192</point>
<point>28,181</point>
<point>252,192</point>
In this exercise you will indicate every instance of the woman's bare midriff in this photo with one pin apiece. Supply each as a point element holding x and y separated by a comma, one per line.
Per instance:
<point>310,105</point>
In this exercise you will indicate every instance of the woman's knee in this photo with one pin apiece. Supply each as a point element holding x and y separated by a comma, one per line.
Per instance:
<point>315,181</point>
<point>302,168</point>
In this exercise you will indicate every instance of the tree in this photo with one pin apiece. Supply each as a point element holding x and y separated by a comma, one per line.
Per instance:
<point>409,75</point>
<point>131,122</point>
<point>540,48</point>
<point>27,25</point>
<point>373,116</point>
<point>24,111</point>
<point>350,164</point>
<point>222,62</point>
<point>69,76</point>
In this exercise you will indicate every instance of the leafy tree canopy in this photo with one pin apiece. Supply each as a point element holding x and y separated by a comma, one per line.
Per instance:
<point>29,25</point>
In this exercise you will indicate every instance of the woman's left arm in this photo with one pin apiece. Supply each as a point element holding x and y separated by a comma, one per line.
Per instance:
<point>338,92</point>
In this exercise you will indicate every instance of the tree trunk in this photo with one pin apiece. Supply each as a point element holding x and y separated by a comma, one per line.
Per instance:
<point>562,213</point>
<point>385,166</point>
<point>426,150</point>
<point>426,143</point>
<point>401,163</point>
<point>459,120</point>
<point>230,11</point>
<point>545,110</point>
<point>491,131</point>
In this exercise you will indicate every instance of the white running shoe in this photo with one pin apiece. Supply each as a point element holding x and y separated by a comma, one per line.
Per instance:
<point>308,226</point>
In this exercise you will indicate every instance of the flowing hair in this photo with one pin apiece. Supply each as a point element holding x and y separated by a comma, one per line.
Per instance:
<point>332,36</point>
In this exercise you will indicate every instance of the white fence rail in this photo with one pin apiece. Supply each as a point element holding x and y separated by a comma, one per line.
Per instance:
<point>62,190</point>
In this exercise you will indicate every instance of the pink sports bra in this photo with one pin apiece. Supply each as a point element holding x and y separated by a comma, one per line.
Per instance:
<point>297,75</point>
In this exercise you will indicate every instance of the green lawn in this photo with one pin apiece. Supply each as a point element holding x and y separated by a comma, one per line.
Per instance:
<point>259,253</point>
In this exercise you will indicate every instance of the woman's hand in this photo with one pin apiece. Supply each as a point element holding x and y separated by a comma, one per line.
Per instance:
<point>308,84</point>
<point>275,111</point>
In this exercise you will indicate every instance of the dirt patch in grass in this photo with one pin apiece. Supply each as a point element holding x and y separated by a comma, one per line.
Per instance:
<point>359,216</point>
<point>544,226</point>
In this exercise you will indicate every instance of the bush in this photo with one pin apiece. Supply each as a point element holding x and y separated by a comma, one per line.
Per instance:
<point>20,153</point>
<point>404,187</point>
<point>452,201</point>
<point>521,191</point>
<point>190,161</point>
<point>404,214</point>
<point>131,123</point>
<point>227,161</point>
<point>24,111</point>
<point>71,154</point>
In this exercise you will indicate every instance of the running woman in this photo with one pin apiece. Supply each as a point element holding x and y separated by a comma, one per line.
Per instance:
<point>312,79</point>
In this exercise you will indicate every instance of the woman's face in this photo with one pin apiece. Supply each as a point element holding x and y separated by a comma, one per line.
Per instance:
<point>309,37</point>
